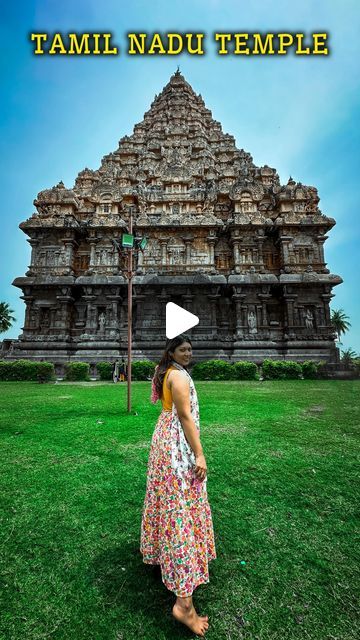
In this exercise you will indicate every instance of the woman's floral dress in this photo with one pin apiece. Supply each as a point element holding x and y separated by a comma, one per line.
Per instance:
<point>176,527</point>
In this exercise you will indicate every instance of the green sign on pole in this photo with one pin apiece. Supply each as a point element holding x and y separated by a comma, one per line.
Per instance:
<point>143,243</point>
<point>127,240</point>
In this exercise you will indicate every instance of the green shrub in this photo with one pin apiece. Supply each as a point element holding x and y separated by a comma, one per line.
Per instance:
<point>77,371</point>
<point>199,371</point>
<point>213,370</point>
<point>45,371</point>
<point>22,370</point>
<point>18,370</point>
<point>12,370</point>
<point>243,370</point>
<point>281,369</point>
<point>3,370</point>
<point>104,370</point>
<point>356,364</point>
<point>323,371</point>
<point>310,369</point>
<point>142,369</point>
<point>26,370</point>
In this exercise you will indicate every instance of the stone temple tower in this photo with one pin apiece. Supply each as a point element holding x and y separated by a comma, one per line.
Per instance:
<point>226,241</point>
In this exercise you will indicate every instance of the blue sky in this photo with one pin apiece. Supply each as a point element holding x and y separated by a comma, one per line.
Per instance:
<point>297,114</point>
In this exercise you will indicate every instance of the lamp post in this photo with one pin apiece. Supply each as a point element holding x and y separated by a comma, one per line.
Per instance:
<point>130,279</point>
<point>128,241</point>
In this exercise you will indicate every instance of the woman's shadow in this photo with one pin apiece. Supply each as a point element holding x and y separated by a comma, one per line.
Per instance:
<point>136,590</point>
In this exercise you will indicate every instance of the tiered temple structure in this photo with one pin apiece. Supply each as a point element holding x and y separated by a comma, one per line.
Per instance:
<point>226,241</point>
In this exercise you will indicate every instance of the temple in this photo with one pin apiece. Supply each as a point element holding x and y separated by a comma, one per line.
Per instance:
<point>226,241</point>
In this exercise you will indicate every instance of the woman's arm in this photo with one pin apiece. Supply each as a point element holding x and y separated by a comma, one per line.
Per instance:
<point>180,390</point>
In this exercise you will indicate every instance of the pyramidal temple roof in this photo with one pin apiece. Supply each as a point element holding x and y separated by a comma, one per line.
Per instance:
<point>178,110</point>
<point>179,148</point>
<point>179,137</point>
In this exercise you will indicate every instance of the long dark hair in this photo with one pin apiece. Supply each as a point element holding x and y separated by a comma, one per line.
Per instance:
<point>166,359</point>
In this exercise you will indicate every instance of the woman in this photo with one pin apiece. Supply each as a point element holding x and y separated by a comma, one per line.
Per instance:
<point>176,528</point>
<point>115,371</point>
<point>122,370</point>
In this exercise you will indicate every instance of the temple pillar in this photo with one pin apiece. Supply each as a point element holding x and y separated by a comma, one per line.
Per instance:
<point>114,300</point>
<point>243,314</point>
<point>326,298</point>
<point>29,301</point>
<point>66,303</point>
<point>284,247</point>
<point>163,298</point>
<point>114,311</point>
<point>213,298</point>
<point>163,244</point>
<point>319,315</point>
<point>188,252</point>
<point>264,297</point>
<point>80,321</point>
<point>121,312</point>
<point>139,314</point>
<point>139,262</point>
<point>92,262</point>
<point>124,317</point>
<point>260,257</point>
<point>320,245</point>
<point>211,243</point>
<point>238,298</point>
<point>69,244</point>
<point>52,317</point>
<point>236,253</point>
<point>90,322</point>
<point>187,299</point>
<point>34,242</point>
<point>235,241</point>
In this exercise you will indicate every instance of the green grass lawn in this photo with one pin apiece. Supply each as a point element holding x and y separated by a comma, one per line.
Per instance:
<point>283,464</point>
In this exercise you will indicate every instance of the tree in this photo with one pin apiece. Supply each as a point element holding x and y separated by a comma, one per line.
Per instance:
<point>340,322</point>
<point>348,356</point>
<point>6,319</point>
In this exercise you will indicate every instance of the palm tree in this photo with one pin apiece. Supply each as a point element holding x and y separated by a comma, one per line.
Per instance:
<point>340,322</point>
<point>348,356</point>
<point>6,319</point>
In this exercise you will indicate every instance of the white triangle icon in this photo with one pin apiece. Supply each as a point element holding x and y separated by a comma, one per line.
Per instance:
<point>178,320</point>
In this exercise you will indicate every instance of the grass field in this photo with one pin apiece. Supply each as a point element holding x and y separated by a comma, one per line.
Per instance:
<point>283,464</point>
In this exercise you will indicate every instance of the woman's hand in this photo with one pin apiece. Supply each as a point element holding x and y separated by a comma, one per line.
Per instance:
<point>200,467</point>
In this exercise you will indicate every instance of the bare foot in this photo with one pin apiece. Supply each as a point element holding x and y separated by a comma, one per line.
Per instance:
<point>197,624</point>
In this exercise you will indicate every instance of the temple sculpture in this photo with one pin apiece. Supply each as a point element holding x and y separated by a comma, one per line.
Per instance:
<point>226,241</point>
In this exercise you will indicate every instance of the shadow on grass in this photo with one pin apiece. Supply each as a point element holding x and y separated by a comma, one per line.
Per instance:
<point>136,590</point>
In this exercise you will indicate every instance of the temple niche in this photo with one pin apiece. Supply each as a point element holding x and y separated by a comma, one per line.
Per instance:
<point>226,241</point>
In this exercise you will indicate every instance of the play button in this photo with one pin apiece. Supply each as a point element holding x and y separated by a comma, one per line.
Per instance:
<point>178,320</point>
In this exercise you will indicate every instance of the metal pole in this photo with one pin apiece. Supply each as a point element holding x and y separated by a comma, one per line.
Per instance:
<point>130,276</point>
